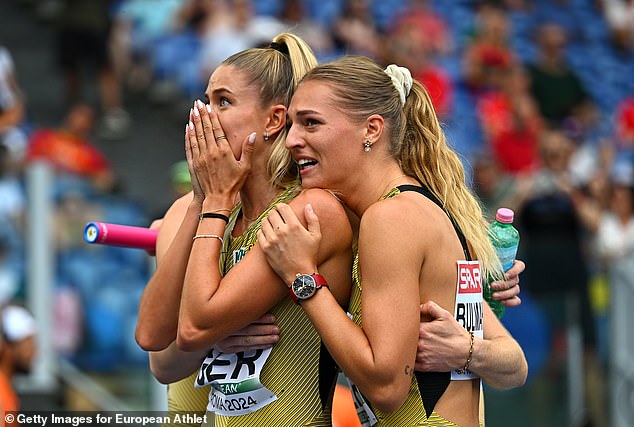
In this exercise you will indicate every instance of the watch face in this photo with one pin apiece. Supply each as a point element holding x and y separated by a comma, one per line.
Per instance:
<point>304,286</point>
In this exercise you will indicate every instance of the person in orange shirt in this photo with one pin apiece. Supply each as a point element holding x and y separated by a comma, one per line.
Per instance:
<point>17,352</point>
<point>68,149</point>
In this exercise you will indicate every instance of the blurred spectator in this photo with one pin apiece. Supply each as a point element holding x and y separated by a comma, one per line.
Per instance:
<point>297,21</point>
<point>69,149</point>
<point>564,14</point>
<point>551,224</point>
<point>235,27</point>
<point>17,352</point>
<point>137,26</point>
<point>511,122</point>
<point>620,17</point>
<point>84,36</point>
<point>176,54</point>
<point>615,234</point>
<point>408,50</point>
<point>356,32</point>
<point>615,249</point>
<point>12,210</point>
<point>589,168</point>
<point>12,110</point>
<point>555,86</point>
<point>432,30</point>
<point>615,237</point>
<point>204,33</point>
<point>488,55</point>
<point>12,198</point>
<point>494,188</point>
<point>624,126</point>
<point>553,245</point>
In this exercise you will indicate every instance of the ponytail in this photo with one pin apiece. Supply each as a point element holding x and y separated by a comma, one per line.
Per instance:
<point>425,154</point>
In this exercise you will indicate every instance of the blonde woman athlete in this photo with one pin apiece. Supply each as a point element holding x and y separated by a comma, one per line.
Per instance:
<point>372,137</point>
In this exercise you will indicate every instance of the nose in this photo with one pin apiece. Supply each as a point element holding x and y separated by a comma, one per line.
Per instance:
<point>293,138</point>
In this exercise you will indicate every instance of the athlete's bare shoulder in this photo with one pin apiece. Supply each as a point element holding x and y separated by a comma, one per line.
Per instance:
<point>180,205</point>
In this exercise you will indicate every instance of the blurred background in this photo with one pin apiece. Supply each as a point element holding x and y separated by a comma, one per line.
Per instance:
<point>537,96</point>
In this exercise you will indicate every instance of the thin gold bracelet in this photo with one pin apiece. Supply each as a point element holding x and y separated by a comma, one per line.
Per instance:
<point>208,236</point>
<point>468,362</point>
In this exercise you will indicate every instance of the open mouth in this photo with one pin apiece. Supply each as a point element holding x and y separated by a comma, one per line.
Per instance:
<point>306,163</point>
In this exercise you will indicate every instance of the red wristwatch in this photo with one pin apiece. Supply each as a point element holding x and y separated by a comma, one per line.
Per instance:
<point>306,285</point>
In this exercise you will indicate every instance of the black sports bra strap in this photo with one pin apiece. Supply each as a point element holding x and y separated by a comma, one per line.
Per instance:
<point>425,192</point>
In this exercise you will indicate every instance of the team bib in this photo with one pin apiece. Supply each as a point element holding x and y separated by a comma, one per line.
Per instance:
<point>468,310</point>
<point>235,382</point>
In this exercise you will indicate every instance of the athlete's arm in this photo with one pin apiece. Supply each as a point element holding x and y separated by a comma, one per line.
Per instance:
<point>444,346</point>
<point>171,365</point>
<point>498,359</point>
<point>212,307</point>
<point>160,301</point>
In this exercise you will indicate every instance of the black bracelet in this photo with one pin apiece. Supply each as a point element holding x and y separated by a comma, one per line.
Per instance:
<point>204,215</point>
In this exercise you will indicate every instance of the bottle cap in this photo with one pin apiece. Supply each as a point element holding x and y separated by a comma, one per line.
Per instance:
<point>504,215</point>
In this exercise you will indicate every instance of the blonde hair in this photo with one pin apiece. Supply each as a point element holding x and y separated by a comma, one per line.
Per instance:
<point>417,141</point>
<point>277,71</point>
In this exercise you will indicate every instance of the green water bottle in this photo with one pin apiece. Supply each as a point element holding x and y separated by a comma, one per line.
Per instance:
<point>505,239</point>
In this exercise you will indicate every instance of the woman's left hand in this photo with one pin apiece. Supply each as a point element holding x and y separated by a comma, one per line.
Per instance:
<point>217,171</point>
<point>443,344</point>
<point>290,247</point>
<point>506,291</point>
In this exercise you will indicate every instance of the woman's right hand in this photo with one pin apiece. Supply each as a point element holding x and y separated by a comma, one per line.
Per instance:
<point>218,175</point>
<point>259,335</point>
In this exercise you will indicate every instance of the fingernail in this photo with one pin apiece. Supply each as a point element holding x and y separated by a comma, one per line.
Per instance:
<point>200,104</point>
<point>185,130</point>
<point>191,125</point>
<point>196,112</point>
<point>309,208</point>
<point>252,138</point>
<point>208,108</point>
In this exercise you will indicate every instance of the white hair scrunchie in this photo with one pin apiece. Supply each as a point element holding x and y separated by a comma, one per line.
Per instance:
<point>401,79</point>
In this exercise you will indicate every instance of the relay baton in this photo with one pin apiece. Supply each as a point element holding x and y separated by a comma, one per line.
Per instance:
<point>121,235</point>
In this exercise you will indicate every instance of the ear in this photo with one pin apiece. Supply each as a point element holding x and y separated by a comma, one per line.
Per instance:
<point>374,128</point>
<point>276,120</point>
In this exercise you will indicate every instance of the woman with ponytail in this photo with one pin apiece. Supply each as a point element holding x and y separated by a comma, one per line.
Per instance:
<point>372,137</point>
<point>211,279</point>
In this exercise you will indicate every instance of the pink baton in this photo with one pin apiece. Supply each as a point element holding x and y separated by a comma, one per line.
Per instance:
<point>121,235</point>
